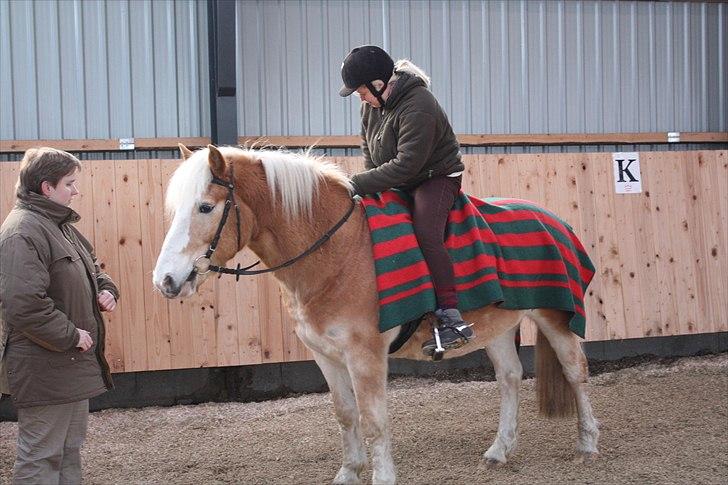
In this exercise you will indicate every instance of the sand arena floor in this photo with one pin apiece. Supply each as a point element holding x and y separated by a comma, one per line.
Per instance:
<point>661,423</point>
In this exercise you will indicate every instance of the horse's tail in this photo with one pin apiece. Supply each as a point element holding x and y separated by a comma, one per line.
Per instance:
<point>555,396</point>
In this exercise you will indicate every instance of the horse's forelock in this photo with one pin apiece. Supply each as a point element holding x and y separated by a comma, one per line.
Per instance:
<point>188,182</point>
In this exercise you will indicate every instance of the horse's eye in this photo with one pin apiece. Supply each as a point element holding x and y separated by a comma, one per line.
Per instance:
<point>206,208</point>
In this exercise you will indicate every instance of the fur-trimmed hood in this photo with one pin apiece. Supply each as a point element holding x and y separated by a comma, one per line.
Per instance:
<point>407,66</point>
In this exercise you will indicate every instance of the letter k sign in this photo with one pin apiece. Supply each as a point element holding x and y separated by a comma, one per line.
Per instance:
<point>625,170</point>
<point>627,178</point>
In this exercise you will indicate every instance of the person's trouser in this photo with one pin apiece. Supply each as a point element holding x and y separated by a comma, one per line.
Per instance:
<point>433,200</point>
<point>49,443</point>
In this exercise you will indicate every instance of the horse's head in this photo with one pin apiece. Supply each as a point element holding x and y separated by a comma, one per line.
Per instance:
<point>197,196</point>
<point>269,205</point>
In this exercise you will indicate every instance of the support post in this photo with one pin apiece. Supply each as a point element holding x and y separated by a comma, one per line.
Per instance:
<point>222,62</point>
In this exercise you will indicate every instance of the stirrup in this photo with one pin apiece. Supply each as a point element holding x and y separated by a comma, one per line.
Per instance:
<point>439,349</point>
<point>435,348</point>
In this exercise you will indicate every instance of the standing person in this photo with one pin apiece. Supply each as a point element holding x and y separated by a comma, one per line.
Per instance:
<point>52,293</point>
<point>408,144</point>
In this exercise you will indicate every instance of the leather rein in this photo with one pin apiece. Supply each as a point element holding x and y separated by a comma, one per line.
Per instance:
<point>238,271</point>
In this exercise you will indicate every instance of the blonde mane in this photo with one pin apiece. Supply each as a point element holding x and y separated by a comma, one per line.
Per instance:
<point>293,178</point>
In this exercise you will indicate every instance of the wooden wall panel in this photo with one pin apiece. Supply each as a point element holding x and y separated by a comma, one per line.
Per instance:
<point>248,312</point>
<point>106,244</point>
<point>720,227</point>
<point>156,309</point>
<point>661,255</point>
<point>131,270</point>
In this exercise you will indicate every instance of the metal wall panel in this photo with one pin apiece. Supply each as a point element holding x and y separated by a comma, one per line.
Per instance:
<point>120,68</point>
<point>496,66</point>
<point>103,69</point>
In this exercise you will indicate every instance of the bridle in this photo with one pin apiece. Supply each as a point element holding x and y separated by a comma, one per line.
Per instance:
<point>238,271</point>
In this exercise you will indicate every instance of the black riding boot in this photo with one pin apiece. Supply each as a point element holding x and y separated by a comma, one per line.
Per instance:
<point>452,331</point>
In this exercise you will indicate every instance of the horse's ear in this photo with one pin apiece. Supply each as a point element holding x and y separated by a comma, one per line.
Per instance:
<point>184,151</point>
<point>216,161</point>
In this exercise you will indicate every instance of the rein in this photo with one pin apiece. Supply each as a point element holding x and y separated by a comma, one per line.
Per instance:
<point>238,271</point>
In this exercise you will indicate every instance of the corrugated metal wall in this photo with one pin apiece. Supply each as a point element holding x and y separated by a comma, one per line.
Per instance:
<point>110,69</point>
<point>103,69</point>
<point>496,66</point>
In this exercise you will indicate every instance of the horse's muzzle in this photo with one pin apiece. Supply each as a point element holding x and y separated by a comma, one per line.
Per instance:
<point>168,287</point>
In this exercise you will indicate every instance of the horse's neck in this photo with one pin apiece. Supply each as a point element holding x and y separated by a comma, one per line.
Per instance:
<point>280,240</point>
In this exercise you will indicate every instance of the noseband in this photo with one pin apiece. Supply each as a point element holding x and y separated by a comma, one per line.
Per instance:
<point>238,271</point>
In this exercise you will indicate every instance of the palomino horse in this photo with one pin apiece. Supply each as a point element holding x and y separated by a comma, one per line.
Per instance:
<point>283,204</point>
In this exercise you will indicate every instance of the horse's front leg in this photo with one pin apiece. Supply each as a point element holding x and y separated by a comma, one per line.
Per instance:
<point>355,457</point>
<point>508,372</point>
<point>368,371</point>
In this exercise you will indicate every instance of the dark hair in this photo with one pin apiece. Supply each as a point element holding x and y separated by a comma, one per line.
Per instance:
<point>363,65</point>
<point>44,164</point>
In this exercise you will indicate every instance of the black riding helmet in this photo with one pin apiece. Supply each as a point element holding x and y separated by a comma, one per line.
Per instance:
<point>363,65</point>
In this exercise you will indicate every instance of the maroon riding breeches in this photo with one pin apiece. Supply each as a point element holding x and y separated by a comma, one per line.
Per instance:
<point>433,200</point>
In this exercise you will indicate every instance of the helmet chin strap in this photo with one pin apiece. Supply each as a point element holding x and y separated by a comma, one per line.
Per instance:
<point>377,93</point>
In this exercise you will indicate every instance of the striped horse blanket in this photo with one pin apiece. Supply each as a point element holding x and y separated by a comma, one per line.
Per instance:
<point>505,251</point>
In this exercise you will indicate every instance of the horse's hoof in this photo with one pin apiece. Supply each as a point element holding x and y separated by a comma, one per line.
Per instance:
<point>492,463</point>
<point>347,477</point>
<point>585,457</point>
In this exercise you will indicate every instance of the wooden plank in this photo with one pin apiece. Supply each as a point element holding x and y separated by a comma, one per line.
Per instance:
<point>249,313</point>
<point>8,178</point>
<point>226,319</point>
<point>559,190</point>
<point>697,230</point>
<point>680,257</point>
<point>353,141</point>
<point>204,327</point>
<point>330,141</point>
<point>585,166</point>
<point>712,172</point>
<point>472,176</point>
<point>642,271</point>
<point>664,255</point>
<point>106,239</point>
<point>488,183</point>
<point>83,203</point>
<point>607,247</point>
<point>131,271</point>
<point>531,179</point>
<point>587,139</point>
<point>627,254</point>
<point>156,309</point>
<point>102,145</point>
<point>684,263</point>
<point>271,325</point>
<point>721,178</point>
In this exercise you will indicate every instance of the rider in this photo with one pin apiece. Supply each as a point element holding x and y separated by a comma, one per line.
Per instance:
<point>408,144</point>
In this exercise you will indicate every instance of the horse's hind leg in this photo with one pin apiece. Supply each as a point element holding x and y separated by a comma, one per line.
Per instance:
<point>553,324</point>
<point>347,414</point>
<point>508,371</point>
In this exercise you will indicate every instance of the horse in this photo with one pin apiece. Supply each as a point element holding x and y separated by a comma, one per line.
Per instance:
<point>283,203</point>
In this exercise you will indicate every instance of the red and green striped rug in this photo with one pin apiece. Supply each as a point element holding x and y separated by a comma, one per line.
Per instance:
<point>504,251</point>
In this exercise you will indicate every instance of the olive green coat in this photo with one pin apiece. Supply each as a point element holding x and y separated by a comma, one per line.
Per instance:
<point>407,141</point>
<point>49,282</point>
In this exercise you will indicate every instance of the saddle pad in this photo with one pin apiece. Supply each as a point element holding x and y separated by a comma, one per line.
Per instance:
<point>504,251</point>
